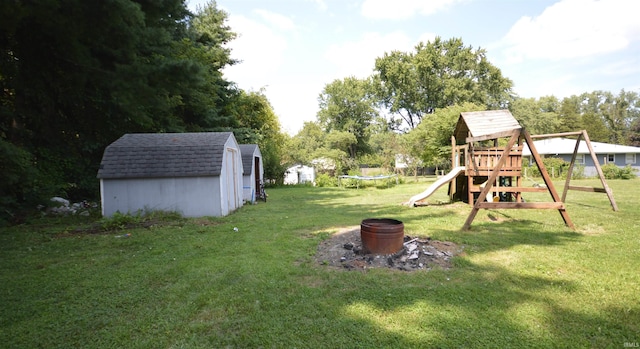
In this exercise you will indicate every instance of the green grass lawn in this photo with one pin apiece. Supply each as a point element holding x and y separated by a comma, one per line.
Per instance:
<point>525,279</point>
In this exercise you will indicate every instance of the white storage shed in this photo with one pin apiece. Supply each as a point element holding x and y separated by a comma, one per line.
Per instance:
<point>195,174</point>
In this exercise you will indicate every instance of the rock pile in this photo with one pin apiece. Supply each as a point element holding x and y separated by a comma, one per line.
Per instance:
<point>63,207</point>
<point>344,250</point>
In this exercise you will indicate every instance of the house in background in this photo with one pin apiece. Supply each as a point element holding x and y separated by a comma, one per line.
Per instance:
<point>253,171</point>
<point>300,174</point>
<point>195,174</point>
<point>620,155</point>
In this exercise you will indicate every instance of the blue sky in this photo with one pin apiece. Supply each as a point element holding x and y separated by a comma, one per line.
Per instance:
<point>293,48</point>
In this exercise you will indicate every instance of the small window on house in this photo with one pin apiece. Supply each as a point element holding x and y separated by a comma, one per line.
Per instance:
<point>580,159</point>
<point>630,159</point>
<point>611,158</point>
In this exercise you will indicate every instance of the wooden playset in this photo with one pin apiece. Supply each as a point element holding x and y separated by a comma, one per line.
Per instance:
<point>488,145</point>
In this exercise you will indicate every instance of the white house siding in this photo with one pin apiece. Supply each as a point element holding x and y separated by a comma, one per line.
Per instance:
<point>191,196</point>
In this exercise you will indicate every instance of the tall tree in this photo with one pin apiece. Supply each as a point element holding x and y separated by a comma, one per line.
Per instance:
<point>257,123</point>
<point>537,116</point>
<point>76,75</point>
<point>347,105</point>
<point>431,140</point>
<point>570,117</point>
<point>618,112</point>
<point>203,105</point>
<point>303,145</point>
<point>438,74</point>
<point>634,134</point>
<point>595,127</point>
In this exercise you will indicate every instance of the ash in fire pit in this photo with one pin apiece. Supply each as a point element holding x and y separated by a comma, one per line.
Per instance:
<point>344,250</point>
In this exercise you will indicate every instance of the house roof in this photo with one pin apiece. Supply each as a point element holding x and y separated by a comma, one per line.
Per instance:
<point>248,151</point>
<point>484,123</point>
<point>557,146</point>
<point>148,155</point>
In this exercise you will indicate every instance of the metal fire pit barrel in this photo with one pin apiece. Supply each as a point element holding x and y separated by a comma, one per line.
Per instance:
<point>381,235</point>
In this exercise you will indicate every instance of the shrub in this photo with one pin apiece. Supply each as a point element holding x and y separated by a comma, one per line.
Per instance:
<point>578,172</point>
<point>324,180</point>
<point>18,181</point>
<point>612,171</point>
<point>556,167</point>
<point>120,221</point>
<point>627,172</point>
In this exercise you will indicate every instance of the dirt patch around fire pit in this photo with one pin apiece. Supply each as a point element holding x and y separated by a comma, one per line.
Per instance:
<point>343,250</point>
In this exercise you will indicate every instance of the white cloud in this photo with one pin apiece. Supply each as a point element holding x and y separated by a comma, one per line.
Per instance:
<point>295,101</point>
<point>620,68</point>
<point>322,6</point>
<point>573,29</point>
<point>276,20</point>
<point>357,58</point>
<point>402,9</point>
<point>260,50</point>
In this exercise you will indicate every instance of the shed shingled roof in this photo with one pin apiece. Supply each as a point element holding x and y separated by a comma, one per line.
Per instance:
<point>153,155</point>
<point>483,123</point>
<point>247,151</point>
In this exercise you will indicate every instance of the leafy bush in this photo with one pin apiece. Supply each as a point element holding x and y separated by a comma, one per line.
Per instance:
<point>556,167</point>
<point>324,180</point>
<point>120,221</point>
<point>18,181</point>
<point>612,171</point>
<point>578,172</point>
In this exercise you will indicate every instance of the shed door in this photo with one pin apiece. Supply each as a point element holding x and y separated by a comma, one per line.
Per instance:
<point>232,179</point>
<point>256,172</point>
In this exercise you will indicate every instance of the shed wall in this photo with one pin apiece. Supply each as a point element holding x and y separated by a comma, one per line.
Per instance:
<point>191,196</point>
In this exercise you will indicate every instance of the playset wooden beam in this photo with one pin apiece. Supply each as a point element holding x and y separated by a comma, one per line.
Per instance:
<point>558,204</point>
<point>605,188</point>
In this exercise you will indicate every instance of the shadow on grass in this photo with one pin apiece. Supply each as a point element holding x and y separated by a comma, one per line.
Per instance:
<point>491,236</point>
<point>480,307</point>
<point>204,287</point>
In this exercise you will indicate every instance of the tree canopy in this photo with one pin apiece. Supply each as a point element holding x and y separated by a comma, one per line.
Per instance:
<point>76,75</point>
<point>347,106</point>
<point>439,74</point>
<point>386,113</point>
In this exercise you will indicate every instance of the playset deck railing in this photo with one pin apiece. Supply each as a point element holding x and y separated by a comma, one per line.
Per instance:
<point>482,161</point>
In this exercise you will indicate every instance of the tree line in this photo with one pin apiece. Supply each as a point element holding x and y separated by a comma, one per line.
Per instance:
<point>410,104</point>
<point>76,75</point>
